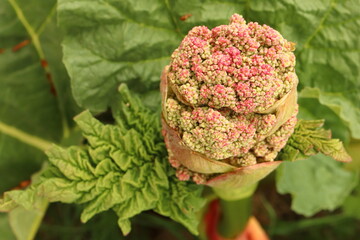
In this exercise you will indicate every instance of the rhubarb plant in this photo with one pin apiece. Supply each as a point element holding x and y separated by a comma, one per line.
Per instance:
<point>138,106</point>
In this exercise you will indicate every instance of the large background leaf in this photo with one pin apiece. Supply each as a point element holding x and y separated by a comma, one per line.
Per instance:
<point>315,184</point>
<point>32,98</point>
<point>5,229</point>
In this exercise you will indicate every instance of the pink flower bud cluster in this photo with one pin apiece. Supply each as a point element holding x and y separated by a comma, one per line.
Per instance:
<point>184,174</point>
<point>225,88</point>
<point>243,67</point>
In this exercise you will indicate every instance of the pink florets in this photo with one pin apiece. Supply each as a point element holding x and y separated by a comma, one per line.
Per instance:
<point>236,18</point>
<point>199,178</point>
<point>228,55</point>
<point>174,163</point>
<point>183,174</point>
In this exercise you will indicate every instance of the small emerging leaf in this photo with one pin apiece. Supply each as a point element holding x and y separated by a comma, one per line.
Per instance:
<point>309,138</point>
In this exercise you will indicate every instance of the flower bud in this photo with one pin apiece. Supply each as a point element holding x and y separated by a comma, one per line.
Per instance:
<point>229,102</point>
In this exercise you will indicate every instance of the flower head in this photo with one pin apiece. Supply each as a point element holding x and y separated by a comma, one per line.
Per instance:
<point>229,96</point>
<point>244,67</point>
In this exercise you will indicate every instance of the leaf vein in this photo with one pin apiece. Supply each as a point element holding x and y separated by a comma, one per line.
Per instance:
<point>137,22</point>
<point>321,23</point>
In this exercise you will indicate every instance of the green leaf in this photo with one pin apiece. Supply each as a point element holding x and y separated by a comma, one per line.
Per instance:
<point>182,203</point>
<point>143,191</point>
<point>25,223</point>
<point>124,147</point>
<point>129,112</point>
<point>351,204</point>
<point>344,104</point>
<point>309,138</point>
<point>317,183</point>
<point>333,121</point>
<point>29,38</point>
<point>115,172</point>
<point>121,168</point>
<point>23,196</point>
<point>100,183</point>
<point>12,199</point>
<point>25,209</point>
<point>141,46</point>
<point>5,229</point>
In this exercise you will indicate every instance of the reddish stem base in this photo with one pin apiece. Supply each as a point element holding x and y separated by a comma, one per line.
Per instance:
<point>252,231</point>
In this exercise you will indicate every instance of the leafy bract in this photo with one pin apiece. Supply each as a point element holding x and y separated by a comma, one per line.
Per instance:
<point>317,183</point>
<point>309,138</point>
<point>122,168</point>
<point>34,87</point>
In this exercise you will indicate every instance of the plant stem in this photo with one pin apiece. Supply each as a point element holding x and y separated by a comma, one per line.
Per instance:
<point>24,137</point>
<point>234,216</point>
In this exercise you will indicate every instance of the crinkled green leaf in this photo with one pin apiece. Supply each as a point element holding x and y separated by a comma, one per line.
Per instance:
<point>182,203</point>
<point>73,163</point>
<point>317,183</point>
<point>117,171</point>
<point>97,180</point>
<point>25,198</point>
<point>309,138</point>
<point>125,147</point>
<point>141,199</point>
<point>129,112</point>
<point>120,169</point>
<point>12,199</point>
<point>25,209</point>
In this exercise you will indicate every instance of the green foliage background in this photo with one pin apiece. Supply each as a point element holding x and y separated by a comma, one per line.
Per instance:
<point>92,46</point>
